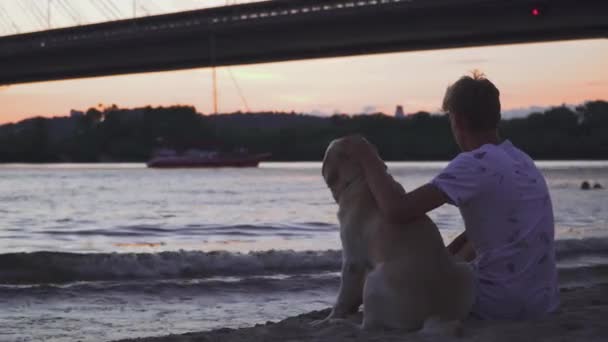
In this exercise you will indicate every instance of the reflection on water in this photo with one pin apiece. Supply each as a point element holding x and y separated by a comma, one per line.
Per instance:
<point>126,207</point>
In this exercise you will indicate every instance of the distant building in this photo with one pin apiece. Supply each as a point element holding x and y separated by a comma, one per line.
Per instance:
<point>76,113</point>
<point>399,112</point>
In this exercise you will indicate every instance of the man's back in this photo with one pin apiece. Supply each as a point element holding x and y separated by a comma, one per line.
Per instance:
<point>508,216</point>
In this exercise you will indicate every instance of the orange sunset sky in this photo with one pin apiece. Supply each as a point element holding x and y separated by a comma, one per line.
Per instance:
<point>528,75</point>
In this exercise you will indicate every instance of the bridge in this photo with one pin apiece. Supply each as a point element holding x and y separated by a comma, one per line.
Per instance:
<point>282,30</point>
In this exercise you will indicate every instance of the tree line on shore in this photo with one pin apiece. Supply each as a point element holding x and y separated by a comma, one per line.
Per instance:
<point>114,134</point>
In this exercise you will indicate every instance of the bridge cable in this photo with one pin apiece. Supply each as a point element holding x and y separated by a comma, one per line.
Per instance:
<point>112,8</point>
<point>115,8</point>
<point>31,16</point>
<point>98,10</point>
<point>101,10</point>
<point>67,13</point>
<point>6,26</point>
<point>238,89</point>
<point>234,81</point>
<point>109,13</point>
<point>158,8</point>
<point>32,4</point>
<point>62,10</point>
<point>104,5</point>
<point>49,10</point>
<point>144,9</point>
<point>75,10</point>
<point>9,19</point>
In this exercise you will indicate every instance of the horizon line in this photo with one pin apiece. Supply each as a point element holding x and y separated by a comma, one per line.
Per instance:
<point>519,111</point>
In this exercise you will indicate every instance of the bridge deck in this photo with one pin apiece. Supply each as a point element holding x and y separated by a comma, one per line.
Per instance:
<point>282,30</point>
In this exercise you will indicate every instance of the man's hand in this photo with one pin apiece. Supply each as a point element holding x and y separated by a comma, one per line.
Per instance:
<point>358,148</point>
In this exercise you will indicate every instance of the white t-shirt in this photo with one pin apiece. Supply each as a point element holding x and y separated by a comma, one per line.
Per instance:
<point>508,216</point>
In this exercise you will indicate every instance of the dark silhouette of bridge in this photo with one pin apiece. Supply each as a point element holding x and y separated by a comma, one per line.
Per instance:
<point>282,30</point>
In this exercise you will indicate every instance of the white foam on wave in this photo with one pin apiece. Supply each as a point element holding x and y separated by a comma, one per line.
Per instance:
<point>573,247</point>
<point>55,267</point>
<point>45,267</point>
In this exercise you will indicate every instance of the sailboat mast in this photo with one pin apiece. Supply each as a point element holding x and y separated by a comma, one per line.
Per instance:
<point>214,76</point>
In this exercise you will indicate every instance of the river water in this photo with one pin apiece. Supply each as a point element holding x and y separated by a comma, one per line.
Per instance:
<point>108,251</point>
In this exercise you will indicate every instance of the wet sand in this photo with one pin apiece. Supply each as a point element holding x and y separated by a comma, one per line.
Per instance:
<point>583,316</point>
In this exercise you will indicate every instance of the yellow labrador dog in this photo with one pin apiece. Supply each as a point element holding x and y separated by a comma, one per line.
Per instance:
<point>402,274</point>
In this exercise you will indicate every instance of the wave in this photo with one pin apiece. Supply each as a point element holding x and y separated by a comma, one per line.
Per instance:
<point>307,284</point>
<point>54,267</point>
<point>298,229</point>
<point>58,267</point>
<point>569,248</point>
<point>583,275</point>
<point>181,287</point>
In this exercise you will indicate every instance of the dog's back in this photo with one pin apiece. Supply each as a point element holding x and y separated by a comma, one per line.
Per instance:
<point>413,276</point>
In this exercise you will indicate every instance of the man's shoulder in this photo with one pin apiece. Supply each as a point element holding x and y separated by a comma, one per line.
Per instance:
<point>472,159</point>
<point>520,154</point>
<point>505,151</point>
<point>467,157</point>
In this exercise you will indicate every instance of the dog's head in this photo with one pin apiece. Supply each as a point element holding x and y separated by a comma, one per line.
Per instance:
<point>339,169</point>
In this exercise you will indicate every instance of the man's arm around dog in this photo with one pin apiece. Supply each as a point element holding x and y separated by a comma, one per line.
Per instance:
<point>394,202</point>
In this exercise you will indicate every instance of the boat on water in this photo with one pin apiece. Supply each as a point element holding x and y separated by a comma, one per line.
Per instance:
<point>205,159</point>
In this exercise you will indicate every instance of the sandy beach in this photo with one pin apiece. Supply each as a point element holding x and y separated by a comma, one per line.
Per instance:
<point>583,316</point>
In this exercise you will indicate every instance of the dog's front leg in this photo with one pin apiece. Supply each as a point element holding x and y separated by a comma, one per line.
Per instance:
<point>350,295</point>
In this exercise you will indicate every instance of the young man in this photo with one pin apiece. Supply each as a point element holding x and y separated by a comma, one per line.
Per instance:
<point>503,199</point>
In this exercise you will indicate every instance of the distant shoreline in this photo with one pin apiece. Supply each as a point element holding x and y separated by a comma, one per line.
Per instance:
<point>135,135</point>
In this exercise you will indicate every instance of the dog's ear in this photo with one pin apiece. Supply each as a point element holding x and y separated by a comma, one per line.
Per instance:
<point>330,174</point>
<point>332,177</point>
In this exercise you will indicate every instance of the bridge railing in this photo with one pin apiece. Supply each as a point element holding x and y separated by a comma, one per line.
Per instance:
<point>205,19</point>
